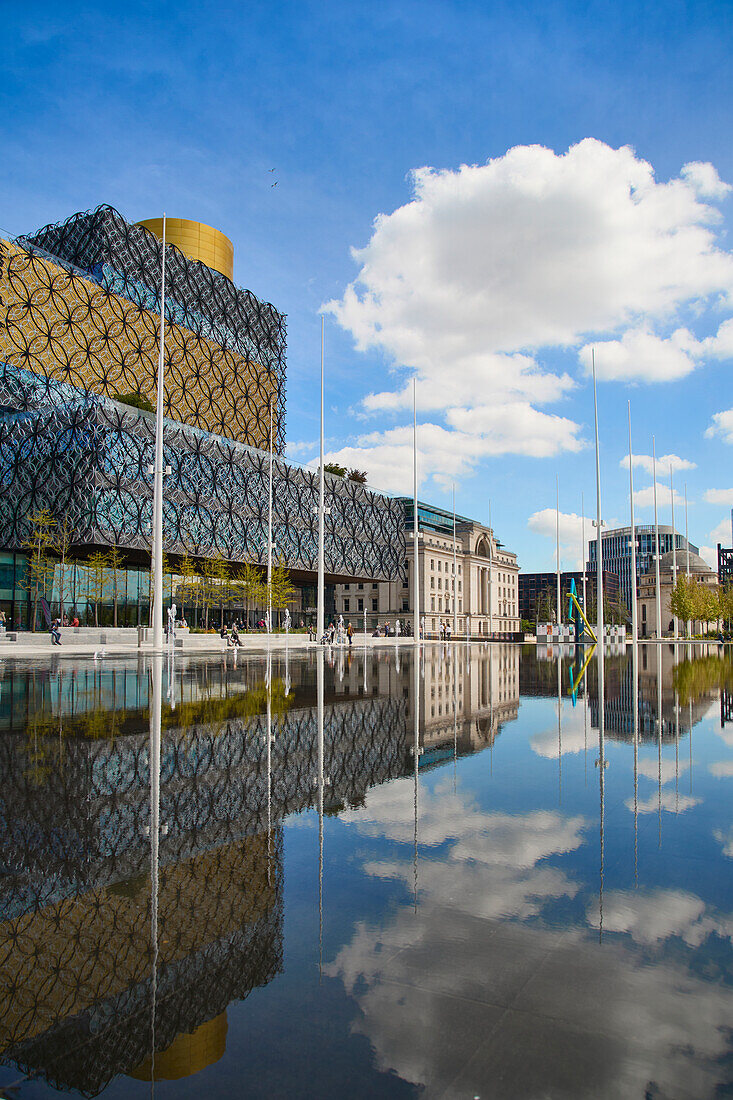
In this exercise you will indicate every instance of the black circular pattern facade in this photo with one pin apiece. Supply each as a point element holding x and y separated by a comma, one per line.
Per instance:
<point>89,458</point>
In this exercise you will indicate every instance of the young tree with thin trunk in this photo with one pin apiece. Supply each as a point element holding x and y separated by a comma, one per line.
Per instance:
<point>39,546</point>
<point>62,543</point>
<point>249,580</point>
<point>281,588</point>
<point>115,564</point>
<point>97,575</point>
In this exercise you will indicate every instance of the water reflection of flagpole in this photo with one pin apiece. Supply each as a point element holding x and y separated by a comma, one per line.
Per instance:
<point>635,689</point>
<point>319,672</point>
<point>559,728</point>
<point>659,741</point>
<point>268,734</point>
<point>156,704</point>
<point>455,719</point>
<point>600,635</point>
<point>416,759</point>
<point>676,745</point>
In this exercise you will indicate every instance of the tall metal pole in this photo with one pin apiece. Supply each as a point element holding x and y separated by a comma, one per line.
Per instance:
<point>687,541</point>
<point>658,602</point>
<point>557,552</point>
<point>582,535</point>
<point>634,608</point>
<point>320,602</point>
<point>158,482</point>
<point>455,605</point>
<point>415,539</point>
<point>674,548</point>
<point>156,704</point>
<point>599,526</point>
<point>269,538</point>
<point>319,683</point>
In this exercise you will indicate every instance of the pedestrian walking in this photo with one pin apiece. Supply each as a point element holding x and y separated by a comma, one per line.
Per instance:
<point>350,633</point>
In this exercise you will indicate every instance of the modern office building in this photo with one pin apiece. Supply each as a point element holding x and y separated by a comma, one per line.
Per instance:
<point>486,579</point>
<point>725,564</point>
<point>79,337</point>
<point>616,550</point>
<point>538,593</point>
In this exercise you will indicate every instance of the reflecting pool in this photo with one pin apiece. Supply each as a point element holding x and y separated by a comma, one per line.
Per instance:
<point>478,871</point>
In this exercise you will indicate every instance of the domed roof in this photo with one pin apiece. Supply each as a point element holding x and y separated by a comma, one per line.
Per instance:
<point>697,565</point>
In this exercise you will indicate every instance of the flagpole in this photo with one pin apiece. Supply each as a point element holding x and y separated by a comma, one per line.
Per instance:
<point>634,608</point>
<point>491,576</point>
<point>415,539</point>
<point>658,601</point>
<point>674,549</point>
<point>455,605</point>
<point>320,602</point>
<point>557,553</point>
<point>158,482</point>
<point>582,535</point>
<point>687,540</point>
<point>599,526</point>
<point>269,538</point>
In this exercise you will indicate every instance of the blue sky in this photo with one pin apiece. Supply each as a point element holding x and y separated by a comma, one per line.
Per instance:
<point>489,282</point>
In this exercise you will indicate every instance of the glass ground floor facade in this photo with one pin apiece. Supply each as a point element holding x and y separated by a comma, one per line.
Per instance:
<point>86,461</point>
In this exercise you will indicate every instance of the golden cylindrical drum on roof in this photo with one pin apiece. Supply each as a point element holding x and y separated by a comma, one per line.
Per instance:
<point>197,241</point>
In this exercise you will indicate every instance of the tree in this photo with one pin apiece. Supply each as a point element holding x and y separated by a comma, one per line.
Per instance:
<point>335,469</point>
<point>62,543</point>
<point>136,399</point>
<point>41,564</point>
<point>249,580</point>
<point>359,476</point>
<point>115,563</point>
<point>215,588</point>
<point>682,599</point>
<point>96,569</point>
<point>186,572</point>
<point>151,586</point>
<point>281,588</point>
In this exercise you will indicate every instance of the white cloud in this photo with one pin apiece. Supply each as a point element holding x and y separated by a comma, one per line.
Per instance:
<point>486,265</point>
<point>644,498</point>
<point>571,534</point>
<point>719,496</point>
<point>646,462</point>
<point>721,533</point>
<point>641,356</point>
<point>448,455</point>
<point>705,180</point>
<point>722,769</point>
<point>722,425</point>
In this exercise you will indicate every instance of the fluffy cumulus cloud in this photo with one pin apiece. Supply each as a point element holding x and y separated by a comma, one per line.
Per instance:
<point>720,496</point>
<point>571,533</point>
<point>470,283</point>
<point>644,498</point>
<point>664,462</point>
<point>721,533</point>
<point>722,426</point>
<point>472,985</point>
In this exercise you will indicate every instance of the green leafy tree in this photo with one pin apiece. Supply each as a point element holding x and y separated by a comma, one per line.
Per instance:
<point>335,469</point>
<point>281,590</point>
<point>96,575</point>
<point>62,543</point>
<point>136,400</point>
<point>682,600</point>
<point>39,547</point>
<point>359,476</point>
<point>249,581</point>
<point>184,588</point>
<point>115,565</point>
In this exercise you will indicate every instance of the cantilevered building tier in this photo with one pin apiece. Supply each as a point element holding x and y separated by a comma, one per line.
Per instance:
<point>88,459</point>
<point>82,305</point>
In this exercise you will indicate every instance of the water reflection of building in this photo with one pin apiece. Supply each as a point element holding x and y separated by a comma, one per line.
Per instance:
<point>76,972</point>
<point>466,694</point>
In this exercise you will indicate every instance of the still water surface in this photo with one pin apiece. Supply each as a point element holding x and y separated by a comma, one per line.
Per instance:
<point>368,876</point>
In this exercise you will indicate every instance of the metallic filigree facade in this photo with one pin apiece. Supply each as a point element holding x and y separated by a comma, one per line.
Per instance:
<point>89,458</point>
<point>80,302</point>
<point>80,982</point>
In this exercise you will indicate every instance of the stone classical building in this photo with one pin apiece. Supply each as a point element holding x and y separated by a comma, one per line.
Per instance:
<point>486,580</point>
<point>700,571</point>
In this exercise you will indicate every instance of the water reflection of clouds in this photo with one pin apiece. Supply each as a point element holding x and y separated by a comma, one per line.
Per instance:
<point>458,999</point>
<point>576,735</point>
<point>652,916</point>
<point>669,800</point>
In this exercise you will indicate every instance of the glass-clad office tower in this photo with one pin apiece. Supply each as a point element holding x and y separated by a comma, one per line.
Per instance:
<point>616,550</point>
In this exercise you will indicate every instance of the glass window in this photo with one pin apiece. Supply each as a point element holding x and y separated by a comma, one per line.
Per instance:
<point>374,605</point>
<point>361,605</point>
<point>346,602</point>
